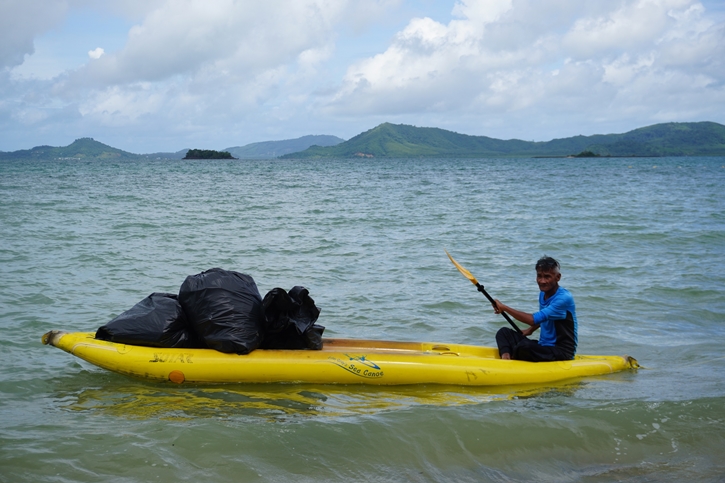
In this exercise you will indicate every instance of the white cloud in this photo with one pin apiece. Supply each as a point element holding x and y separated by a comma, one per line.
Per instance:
<point>21,21</point>
<point>218,60</point>
<point>482,13</point>
<point>182,37</point>
<point>96,53</point>
<point>503,56</point>
<point>133,9</point>
<point>228,55</point>
<point>191,69</point>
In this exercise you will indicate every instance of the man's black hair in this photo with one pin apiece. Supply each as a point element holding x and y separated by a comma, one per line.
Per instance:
<point>547,264</point>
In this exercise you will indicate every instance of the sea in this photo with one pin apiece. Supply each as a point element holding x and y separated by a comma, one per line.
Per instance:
<point>641,242</point>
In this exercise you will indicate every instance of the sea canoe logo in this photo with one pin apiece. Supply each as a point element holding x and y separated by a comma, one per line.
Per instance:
<point>358,365</point>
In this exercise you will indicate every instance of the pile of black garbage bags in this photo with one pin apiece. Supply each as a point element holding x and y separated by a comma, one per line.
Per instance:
<point>223,310</point>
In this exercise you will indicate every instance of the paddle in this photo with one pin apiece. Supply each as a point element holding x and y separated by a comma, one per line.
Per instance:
<point>480,288</point>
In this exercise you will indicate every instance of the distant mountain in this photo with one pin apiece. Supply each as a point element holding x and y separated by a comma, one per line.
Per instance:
<point>83,148</point>
<point>88,148</point>
<point>670,139</point>
<point>177,155</point>
<point>402,141</point>
<point>274,149</point>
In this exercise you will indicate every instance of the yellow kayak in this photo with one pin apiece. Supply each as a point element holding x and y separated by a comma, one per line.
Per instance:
<point>341,361</point>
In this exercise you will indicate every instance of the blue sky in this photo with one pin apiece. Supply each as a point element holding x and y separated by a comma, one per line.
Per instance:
<point>163,75</point>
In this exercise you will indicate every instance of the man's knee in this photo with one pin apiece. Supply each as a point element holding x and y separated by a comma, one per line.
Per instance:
<point>505,332</point>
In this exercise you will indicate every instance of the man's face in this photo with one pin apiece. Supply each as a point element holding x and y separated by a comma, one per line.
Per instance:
<point>548,280</point>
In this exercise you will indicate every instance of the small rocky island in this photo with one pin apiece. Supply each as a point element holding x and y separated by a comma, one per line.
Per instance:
<point>586,154</point>
<point>208,154</point>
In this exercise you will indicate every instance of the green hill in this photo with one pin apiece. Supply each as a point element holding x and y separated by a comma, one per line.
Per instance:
<point>274,149</point>
<point>402,141</point>
<point>83,148</point>
<point>671,139</point>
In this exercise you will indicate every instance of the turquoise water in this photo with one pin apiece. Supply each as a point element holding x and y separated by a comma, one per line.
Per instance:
<point>642,247</point>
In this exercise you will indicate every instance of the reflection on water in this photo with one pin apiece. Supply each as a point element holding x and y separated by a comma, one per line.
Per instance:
<point>139,400</point>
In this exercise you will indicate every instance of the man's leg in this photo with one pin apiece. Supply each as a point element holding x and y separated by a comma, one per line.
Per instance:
<point>507,339</point>
<point>530,350</point>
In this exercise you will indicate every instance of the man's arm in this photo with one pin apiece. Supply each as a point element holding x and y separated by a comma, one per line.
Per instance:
<point>524,317</point>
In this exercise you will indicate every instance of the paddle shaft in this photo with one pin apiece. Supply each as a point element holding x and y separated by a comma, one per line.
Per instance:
<point>480,288</point>
<point>493,302</point>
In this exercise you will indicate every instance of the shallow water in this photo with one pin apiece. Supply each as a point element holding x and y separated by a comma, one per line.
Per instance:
<point>642,247</point>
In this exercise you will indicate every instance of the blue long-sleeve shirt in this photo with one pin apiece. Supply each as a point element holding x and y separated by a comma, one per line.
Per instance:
<point>557,327</point>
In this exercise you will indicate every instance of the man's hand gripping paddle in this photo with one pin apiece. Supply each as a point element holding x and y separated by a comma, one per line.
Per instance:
<point>480,288</point>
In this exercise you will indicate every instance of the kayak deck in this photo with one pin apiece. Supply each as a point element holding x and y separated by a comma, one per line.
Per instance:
<point>341,361</point>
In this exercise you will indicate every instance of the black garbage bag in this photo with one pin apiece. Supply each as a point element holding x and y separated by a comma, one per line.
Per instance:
<point>289,320</point>
<point>224,308</point>
<point>156,321</point>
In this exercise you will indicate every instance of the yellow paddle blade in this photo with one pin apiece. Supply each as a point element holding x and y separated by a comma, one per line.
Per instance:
<point>465,272</point>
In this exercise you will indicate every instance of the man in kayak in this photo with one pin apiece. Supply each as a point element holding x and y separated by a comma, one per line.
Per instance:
<point>556,318</point>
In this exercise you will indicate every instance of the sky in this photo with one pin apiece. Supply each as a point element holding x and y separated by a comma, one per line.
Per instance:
<point>164,75</point>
